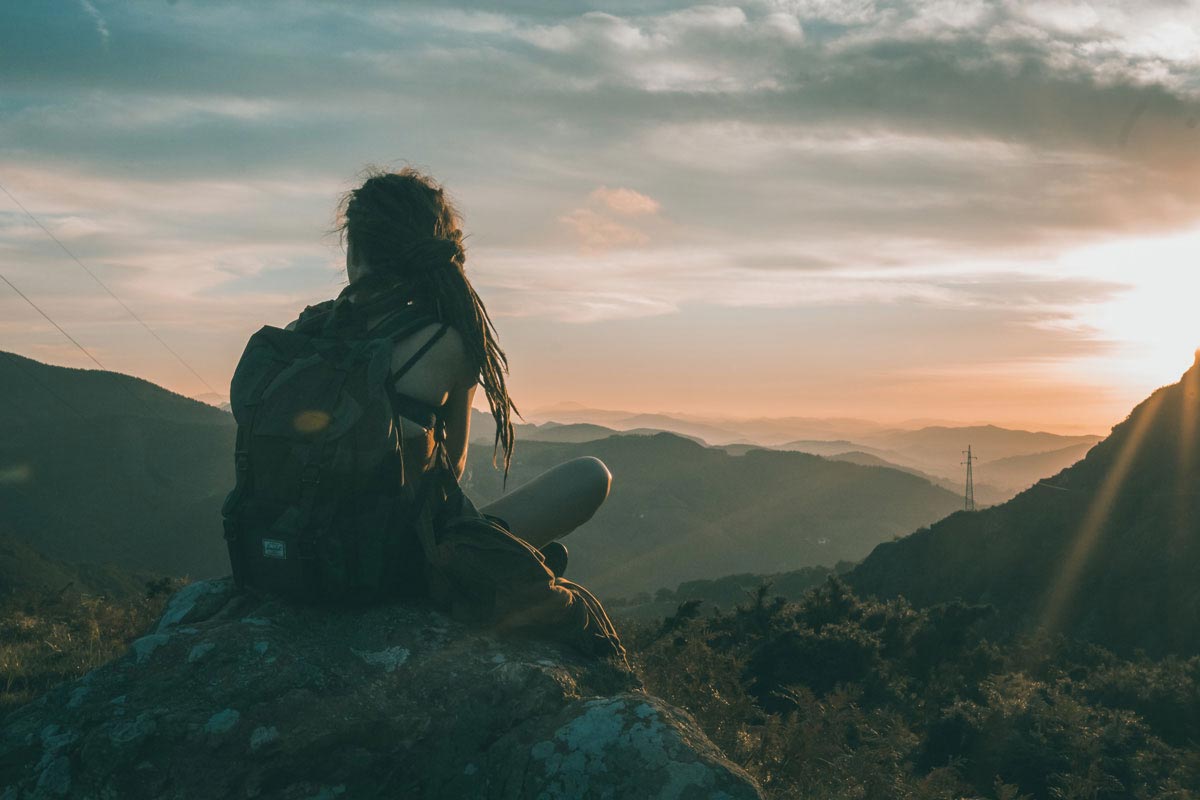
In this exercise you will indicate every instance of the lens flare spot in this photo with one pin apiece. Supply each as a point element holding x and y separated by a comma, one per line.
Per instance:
<point>311,421</point>
<point>15,474</point>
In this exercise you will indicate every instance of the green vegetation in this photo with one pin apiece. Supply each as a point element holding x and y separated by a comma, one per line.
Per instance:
<point>722,593</point>
<point>832,696</point>
<point>840,697</point>
<point>50,637</point>
<point>60,620</point>
<point>1105,551</point>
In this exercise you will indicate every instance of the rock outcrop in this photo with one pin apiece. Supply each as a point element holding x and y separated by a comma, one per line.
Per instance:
<point>234,696</point>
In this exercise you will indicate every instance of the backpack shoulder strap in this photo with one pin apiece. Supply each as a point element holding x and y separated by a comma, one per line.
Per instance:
<point>313,318</point>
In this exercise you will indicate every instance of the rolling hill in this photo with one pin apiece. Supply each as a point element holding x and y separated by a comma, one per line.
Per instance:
<point>944,445</point>
<point>1107,550</point>
<point>1021,472</point>
<point>985,494</point>
<point>97,467</point>
<point>26,573</point>
<point>107,468</point>
<point>937,453</point>
<point>680,511</point>
<point>483,428</point>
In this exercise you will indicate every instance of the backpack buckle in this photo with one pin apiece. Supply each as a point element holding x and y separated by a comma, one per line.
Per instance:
<point>241,461</point>
<point>311,474</point>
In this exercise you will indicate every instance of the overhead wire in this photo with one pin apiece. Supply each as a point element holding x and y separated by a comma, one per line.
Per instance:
<point>72,339</point>
<point>49,319</point>
<point>109,291</point>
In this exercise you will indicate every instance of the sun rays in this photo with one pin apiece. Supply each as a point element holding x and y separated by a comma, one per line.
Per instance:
<point>1099,512</point>
<point>1189,419</point>
<point>1182,404</point>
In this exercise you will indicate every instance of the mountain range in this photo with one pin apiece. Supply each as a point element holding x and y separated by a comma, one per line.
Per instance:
<point>1008,461</point>
<point>680,511</point>
<point>1106,550</point>
<point>97,467</point>
<point>102,467</point>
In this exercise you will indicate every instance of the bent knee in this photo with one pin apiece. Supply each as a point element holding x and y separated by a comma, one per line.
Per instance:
<point>592,476</point>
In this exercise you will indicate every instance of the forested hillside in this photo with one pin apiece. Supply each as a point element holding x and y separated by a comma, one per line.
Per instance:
<point>101,467</point>
<point>1107,550</point>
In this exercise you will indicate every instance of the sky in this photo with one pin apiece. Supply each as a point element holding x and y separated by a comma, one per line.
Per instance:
<point>952,210</point>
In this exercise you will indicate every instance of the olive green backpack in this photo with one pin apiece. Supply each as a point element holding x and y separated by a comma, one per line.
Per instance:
<point>321,509</point>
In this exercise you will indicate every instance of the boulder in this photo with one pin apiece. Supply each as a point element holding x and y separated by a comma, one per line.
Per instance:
<point>235,696</point>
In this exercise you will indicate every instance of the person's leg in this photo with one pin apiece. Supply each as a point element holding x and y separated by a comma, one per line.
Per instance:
<point>556,502</point>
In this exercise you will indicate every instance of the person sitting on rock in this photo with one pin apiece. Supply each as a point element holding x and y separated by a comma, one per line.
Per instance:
<point>353,428</point>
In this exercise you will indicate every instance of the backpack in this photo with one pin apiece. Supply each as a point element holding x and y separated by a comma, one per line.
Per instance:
<point>321,509</point>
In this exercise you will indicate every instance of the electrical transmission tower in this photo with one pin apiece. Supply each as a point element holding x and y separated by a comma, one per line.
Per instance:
<point>970,462</point>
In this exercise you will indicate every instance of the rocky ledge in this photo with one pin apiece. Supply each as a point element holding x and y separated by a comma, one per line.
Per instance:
<point>234,696</point>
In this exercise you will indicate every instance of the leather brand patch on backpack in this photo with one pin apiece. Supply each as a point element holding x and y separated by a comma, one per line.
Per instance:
<point>273,548</point>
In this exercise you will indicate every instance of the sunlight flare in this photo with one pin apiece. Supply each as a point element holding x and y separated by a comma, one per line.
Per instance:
<point>1099,512</point>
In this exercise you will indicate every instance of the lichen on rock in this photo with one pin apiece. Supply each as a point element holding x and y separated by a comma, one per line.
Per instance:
<point>388,701</point>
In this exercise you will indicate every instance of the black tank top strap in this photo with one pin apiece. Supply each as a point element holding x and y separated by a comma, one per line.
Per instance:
<point>426,415</point>
<point>421,351</point>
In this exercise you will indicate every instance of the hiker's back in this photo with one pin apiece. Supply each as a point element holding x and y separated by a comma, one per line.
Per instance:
<point>353,426</point>
<point>340,418</point>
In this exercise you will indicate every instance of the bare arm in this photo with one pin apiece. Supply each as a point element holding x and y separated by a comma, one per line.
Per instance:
<point>458,427</point>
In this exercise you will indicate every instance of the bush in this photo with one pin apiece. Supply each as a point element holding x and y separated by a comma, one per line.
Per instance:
<point>836,696</point>
<point>52,637</point>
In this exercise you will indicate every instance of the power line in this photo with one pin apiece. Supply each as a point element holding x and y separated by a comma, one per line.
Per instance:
<point>38,309</point>
<point>72,339</point>
<point>1090,490</point>
<point>110,292</point>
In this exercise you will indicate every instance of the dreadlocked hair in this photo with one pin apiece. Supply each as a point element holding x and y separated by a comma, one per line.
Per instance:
<point>406,231</point>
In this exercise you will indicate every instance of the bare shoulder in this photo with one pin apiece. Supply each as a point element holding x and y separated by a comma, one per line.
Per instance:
<point>448,355</point>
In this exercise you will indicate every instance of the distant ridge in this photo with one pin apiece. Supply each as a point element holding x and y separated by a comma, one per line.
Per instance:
<point>1019,457</point>
<point>1107,550</point>
<point>140,483</point>
<point>483,427</point>
<point>680,511</point>
<point>24,573</point>
<point>36,391</point>
<point>129,473</point>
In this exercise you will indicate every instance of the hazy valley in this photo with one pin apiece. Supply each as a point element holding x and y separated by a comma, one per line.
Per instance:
<point>108,468</point>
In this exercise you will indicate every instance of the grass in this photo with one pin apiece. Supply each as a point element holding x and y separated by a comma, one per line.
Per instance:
<point>48,638</point>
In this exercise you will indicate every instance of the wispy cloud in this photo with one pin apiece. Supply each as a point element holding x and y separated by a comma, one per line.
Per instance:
<point>98,19</point>
<point>626,201</point>
<point>619,164</point>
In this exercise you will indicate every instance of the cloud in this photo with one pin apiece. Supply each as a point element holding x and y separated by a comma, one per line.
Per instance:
<point>98,19</point>
<point>626,201</point>
<point>599,232</point>
<point>803,154</point>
